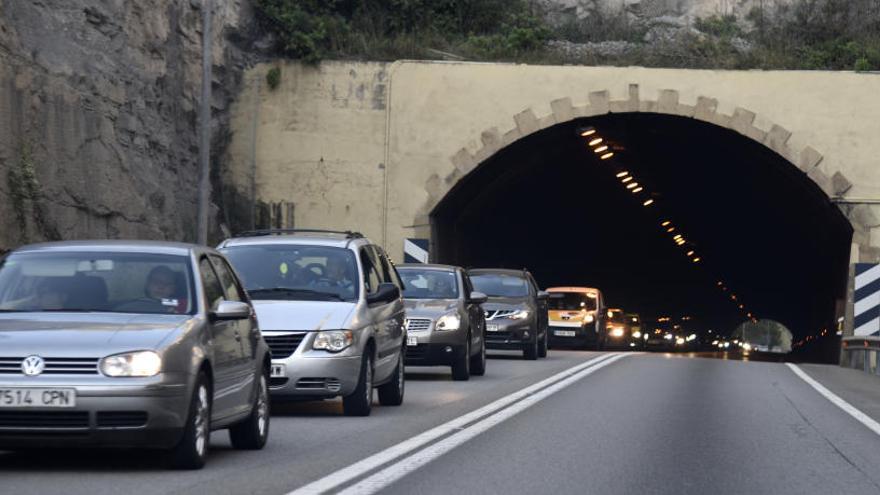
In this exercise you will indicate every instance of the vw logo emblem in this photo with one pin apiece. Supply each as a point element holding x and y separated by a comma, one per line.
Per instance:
<point>33,365</point>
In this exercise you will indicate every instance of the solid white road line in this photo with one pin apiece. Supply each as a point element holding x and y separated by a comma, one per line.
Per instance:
<point>364,466</point>
<point>836,400</point>
<point>382,479</point>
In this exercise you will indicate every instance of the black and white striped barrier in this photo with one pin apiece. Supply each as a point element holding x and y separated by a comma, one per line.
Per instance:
<point>415,250</point>
<point>867,300</point>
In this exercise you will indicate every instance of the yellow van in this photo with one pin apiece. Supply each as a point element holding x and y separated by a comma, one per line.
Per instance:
<point>577,317</point>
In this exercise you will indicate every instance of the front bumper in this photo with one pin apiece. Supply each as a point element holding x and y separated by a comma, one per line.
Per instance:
<point>560,335</point>
<point>316,377</point>
<point>509,334</point>
<point>433,354</point>
<point>149,416</point>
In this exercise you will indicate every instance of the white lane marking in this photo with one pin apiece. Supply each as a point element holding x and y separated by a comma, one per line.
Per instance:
<point>381,480</point>
<point>867,277</point>
<point>364,466</point>
<point>836,400</point>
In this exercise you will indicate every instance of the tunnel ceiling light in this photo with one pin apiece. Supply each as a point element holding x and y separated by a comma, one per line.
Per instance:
<point>600,149</point>
<point>632,185</point>
<point>666,223</point>
<point>697,260</point>
<point>676,236</point>
<point>670,230</point>
<point>622,174</point>
<point>690,253</point>
<point>720,283</point>
<point>589,131</point>
<point>596,141</point>
<point>607,155</point>
<point>648,202</point>
<point>637,190</point>
<point>626,179</point>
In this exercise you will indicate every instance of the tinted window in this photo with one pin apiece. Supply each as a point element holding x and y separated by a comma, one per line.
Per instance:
<point>422,283</point>
<point>213,289</point>
<point>572,301</point>
<point>96,282</point>
<point>296,272</point>
<point>372,279</point>
<point>500,285</point>
<point>226,279</point>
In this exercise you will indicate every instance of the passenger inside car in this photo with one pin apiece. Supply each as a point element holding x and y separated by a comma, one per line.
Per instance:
<point>162,286</point>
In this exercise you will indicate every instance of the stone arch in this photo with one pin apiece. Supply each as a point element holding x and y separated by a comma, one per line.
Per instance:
<point>742,121</point>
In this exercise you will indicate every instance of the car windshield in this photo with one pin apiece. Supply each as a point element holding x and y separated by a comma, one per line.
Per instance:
<point>572,301</point>
<point>96,282</point>
<point>616,316</point>
<point>428,284</point>
<point>296,273</point>
<point>500,285</point>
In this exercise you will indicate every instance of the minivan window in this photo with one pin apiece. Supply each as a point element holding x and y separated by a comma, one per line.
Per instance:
<point>372,277</point>
<point>421,283</point>
<point>572,301</point>
<point>294,272</point>
<point>112,282</point>
<point>500,285</point>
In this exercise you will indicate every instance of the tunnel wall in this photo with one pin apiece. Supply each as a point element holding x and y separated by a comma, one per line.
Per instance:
<point>375,146</point>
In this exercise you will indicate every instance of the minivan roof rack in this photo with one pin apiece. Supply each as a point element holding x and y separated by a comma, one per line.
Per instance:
<point>349,234</point>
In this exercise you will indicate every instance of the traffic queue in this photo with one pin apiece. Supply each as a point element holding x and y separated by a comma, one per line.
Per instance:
<point>159,344</point>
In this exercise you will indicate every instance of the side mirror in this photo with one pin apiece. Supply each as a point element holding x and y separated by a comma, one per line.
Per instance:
<point>543,295</point>
<point>477,298</point>
<point>386,293</point>
<point>231,310</point>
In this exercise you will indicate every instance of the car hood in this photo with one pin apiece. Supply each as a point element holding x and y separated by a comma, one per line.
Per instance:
<point>83,335</point>
<point>494,303</point>
<point>303,315</point>
<point>429,308</point>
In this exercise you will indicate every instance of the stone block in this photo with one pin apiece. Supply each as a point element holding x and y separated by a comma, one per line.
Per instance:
<point>777,139</point>
<point>563,109</point>
<point>491,138</point>
<point>809,159</point>
<point>821,180</point>
<point>668,101</point>
<point>840,184</point>
<point>526,122</point>
<point>463,161</point>
<point>706,108</point>
<point>600,102</point>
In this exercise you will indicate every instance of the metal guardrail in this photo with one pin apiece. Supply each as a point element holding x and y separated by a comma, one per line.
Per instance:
<point>861,353</point>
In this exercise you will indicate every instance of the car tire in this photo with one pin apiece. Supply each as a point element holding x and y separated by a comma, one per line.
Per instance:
<point>192,450</point>
<point>461,368</point>
<point>360,402</point>
<point>253,432</point>
<point>391,393</point>
<point>478,362</point>
<point>530,350</point>
<point>542,348</point>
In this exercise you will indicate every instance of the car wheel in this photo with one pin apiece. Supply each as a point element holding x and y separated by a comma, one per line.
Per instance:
<point>478,362</point>
<point>461,368</point>
<point>360,402</point>
<point>192,450</point>
<point>391,394</point>
<point>530,350</point>
<point>542,349</point>
<point>252,433</point>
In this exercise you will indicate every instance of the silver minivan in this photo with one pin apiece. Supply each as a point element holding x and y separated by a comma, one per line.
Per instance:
<point>129,344</point>
<point>331,310</point>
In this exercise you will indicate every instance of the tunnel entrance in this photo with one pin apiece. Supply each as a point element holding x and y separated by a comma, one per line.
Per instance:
<point>761,239</point>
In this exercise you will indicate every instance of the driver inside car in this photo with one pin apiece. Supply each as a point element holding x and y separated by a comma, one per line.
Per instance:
<point>162,287</point>
<point>336,276</point>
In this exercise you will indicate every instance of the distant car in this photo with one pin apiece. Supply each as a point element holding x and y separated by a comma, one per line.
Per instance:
<point>634,324</point>
<point>516,311</point>
<point>576,317</point>
<point>331,309</point>
<point>129,344</point>
<point>444,320</point>
<point>618,331</point>
<point>660,335</point>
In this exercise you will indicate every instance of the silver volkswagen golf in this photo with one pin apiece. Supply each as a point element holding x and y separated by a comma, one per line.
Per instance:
<point>129,344</point>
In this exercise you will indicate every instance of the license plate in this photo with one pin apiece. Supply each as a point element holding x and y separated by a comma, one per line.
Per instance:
<point>278,371</point>
<point>37,397</point>
<point>412,341</point>
<point>564,333</point>
<point>491,328</point>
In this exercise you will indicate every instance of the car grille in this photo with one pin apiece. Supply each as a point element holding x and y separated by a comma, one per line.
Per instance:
<point>54,366</point>
<point>282,346</point>
<point>121,419</point>
<point>417,324</point>
<point>496,336</point>
<point>44,419</point>
<point>331,384</point>
<point>493,314</point>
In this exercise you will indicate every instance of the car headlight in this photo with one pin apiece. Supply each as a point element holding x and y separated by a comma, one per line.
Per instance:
<point>668,336</point>
<point>520,314</point>
<point>679,341</point>
<point>637,334</point>
<point>333,340</point>
<point>617,332</point>
<point>448,322</point>
<point>142,363</point>
<point>589,318</point>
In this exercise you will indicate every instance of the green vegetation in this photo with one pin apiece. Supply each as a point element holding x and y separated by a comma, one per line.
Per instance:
<point>273,77</point>
<point>26,195</point>
<point>801,34</point>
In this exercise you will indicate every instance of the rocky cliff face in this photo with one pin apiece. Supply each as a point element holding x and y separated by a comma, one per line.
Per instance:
<point>676,11</point>
<point>98,115</point>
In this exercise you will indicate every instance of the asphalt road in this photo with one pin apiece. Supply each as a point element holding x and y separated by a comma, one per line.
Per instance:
<point>642,423</point>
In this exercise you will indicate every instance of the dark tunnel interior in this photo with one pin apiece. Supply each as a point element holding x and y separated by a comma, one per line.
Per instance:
<point>757,224</point>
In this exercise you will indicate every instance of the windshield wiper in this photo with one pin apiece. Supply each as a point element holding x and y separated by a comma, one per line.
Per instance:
<point>295,292</point>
